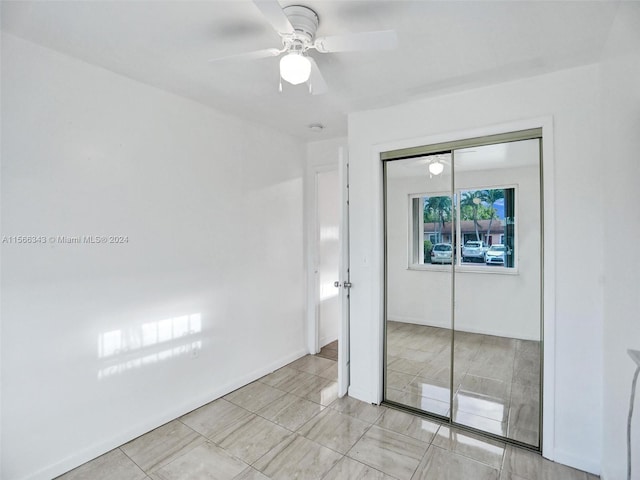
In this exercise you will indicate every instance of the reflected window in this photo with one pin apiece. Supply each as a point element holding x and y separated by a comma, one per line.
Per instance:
<point>432,230</point>
<point>486,228</point>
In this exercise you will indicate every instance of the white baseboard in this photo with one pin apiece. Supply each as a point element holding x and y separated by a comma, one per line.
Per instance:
<point>149,424</point>
<point>419,321</point>
<point>326,341</point>
<point>591,465</point>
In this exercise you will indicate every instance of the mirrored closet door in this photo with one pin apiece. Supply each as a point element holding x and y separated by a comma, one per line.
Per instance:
<point>463,304</point>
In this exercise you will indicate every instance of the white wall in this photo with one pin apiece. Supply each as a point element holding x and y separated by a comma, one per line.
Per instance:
<point>502,304</point>
<point>568,96</point>
<point>88,152</point>
<point>620,75</point>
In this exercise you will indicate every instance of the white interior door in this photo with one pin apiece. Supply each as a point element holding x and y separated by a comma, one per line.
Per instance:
<point>329,312</point>
<point>344,280</point>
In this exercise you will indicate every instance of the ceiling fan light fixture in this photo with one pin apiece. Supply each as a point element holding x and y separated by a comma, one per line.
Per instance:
<point>436,167</point>
<point>295,68</point>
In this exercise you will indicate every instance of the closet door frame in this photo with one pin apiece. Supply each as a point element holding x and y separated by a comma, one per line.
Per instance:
<point>545,124</point>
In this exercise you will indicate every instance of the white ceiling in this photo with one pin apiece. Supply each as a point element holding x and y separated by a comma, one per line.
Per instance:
<point>523,153</point>
<point>443,46</point>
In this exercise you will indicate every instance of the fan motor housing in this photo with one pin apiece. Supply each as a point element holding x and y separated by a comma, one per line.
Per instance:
<point>304,21</point>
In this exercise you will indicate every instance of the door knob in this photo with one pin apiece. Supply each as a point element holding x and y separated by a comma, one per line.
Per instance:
<point>337,284</point>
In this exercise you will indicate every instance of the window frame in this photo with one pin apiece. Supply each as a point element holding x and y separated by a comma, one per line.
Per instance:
<point>456,233</point>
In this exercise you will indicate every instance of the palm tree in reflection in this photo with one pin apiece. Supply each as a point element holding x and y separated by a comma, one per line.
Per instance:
<point>438,210</point>
<point>472,199</point>
<point>491,197</point>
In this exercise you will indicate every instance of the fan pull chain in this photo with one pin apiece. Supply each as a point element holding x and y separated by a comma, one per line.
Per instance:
<point>280,85</point>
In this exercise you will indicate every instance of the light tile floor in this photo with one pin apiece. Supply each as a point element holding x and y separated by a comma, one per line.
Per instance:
<point>291,425</point>
<point>496,380</point>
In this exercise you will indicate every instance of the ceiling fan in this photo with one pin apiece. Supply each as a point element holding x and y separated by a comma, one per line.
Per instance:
<point>297,25</point>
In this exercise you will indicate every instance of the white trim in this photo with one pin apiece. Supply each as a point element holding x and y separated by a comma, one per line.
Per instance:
<point>343,272</point>
<point>591,465</point>
<point>481,331</point>
<point>313,343</point>
<point>546,123</point>
<point>147,425</point>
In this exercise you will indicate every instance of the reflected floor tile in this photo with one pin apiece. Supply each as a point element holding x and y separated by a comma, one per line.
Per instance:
<point>214,416</point>
<point>415,355</point>
<point>409,367</point>
<point>524,417</point>
<point>497,367</point>
<point>398,380</point>
<point>430,387</point>
<point>250,438</point>
<point>206,462</point>
<point>439,370</point>
<point>484,406</point>
<point>297,457</point>
<point>486,386</point>
<point>254,396</point>
<point>526,370</point>
<point>162,445</point>
<point>361,410</point>
<point>348,469</point>
<point>111,465</point>
<point>489,452</point>
<point>291,411</point>
<point>416,401</point>
<point>481,423</point>
<point>408,424</point>
<point>528,347</point>
<point>334,430</point>
<point>390,452</point>
<point>440,464</point>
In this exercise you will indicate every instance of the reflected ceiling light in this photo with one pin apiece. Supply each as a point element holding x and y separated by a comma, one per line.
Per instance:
<point>295,68</point>
<point>436,167</point>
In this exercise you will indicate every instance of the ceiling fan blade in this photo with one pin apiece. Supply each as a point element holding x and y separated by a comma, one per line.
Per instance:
<point>317,85</point>
<point>272,11</point>
<point>352,42</point>
<point>267,52</point>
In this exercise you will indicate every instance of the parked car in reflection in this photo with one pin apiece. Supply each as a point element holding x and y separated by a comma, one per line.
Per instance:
<point>442,253</point>
<point>496,255</point>
<point>473,251</point>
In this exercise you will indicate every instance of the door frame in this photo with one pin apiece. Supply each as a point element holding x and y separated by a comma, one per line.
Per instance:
<point>548,254</point>
<point>312,300</point>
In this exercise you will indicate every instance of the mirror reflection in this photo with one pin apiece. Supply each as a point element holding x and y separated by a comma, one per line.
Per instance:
<point>418,307</point>
<point>470,232</point>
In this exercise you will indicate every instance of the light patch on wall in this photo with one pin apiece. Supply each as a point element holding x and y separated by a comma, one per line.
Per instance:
<point>329,233</point>
<point>149,343</point>
<point>327,290</point>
